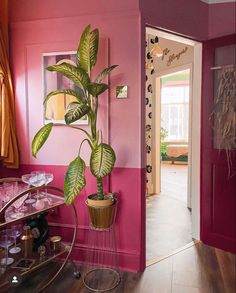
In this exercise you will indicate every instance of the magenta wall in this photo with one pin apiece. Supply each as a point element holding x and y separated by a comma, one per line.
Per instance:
<point>189,18</point>
<point>222,19</point>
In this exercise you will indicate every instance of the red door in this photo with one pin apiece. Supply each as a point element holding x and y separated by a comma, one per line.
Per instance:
<point>218,190</point>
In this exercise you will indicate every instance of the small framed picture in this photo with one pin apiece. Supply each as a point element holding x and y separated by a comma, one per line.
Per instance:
<point>122,92</point>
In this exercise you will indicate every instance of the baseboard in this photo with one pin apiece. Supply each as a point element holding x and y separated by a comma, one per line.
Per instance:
<point>83,252</point>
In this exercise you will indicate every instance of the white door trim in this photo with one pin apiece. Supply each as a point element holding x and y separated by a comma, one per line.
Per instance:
<point>196,140</point>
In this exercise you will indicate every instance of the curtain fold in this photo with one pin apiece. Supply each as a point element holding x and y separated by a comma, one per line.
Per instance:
<point>9,154</point>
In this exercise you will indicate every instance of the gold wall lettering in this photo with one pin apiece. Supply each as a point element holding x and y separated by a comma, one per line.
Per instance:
<point>166,51</point>
<point>173,56</point>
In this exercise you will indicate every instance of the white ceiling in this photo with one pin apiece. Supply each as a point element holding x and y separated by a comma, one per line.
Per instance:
<point>217,1</point>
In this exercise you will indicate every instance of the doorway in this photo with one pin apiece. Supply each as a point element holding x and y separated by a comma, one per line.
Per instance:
<point>172,213</point>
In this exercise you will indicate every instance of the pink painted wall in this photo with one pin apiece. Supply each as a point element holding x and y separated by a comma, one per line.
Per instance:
<point>27,48</point>
<point>37,27</point>
<point>49,25</point>
<point>47,9</point>
<point>189,18</point>
<point>222,19</point>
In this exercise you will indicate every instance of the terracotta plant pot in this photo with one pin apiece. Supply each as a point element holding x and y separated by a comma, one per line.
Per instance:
<point>101,212</point>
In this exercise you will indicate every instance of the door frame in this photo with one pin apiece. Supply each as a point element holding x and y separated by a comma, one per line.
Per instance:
<point>195,124</point>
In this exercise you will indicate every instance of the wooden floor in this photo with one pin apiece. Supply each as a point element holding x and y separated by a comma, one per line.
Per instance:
<point>168,220</point>
<point>198,269</point>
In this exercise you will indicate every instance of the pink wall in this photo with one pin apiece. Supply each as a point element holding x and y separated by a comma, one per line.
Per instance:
<point>36,28</point>
<point>47,9</point>
<point>222,19</point>
<point>49,25</point>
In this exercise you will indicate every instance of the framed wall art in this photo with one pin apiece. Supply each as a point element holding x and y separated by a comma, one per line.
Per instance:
<point>55,107</point>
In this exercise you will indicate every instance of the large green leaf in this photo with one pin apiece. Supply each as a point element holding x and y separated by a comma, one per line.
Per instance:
<point>96,89</point>
<point>76,74</point>
<point>40,138</point>
<point>77,95</point>
<point>102,160</point>
<point>75,111</point>
<point>104,73</point>
<point>88,48</point>
<point>74,179</point>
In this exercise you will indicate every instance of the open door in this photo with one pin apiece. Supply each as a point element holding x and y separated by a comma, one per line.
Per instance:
<point>218,188</point>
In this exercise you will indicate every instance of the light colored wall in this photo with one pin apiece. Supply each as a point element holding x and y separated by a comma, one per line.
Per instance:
<point>163,64</point>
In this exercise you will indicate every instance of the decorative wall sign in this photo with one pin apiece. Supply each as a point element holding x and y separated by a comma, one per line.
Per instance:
<point>173,56</point>
<point>122,91</point>
<point>55,107</point>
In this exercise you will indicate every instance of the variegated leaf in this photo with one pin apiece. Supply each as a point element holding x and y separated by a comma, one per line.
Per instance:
<point>104,73</point>
<point>40,138</point>
<point>74,179</point>
<point>102,160</point>
<point>76,111</point>
<point>75,94</point>
<point>75,74</point>
<point>88,48</point>
<point>96,89</point>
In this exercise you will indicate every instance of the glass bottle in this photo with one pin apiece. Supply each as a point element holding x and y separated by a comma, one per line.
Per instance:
<point>27,242</point>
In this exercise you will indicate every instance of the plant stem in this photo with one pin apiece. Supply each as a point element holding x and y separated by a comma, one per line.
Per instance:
<point>100,189</point>
<point>83,142</point>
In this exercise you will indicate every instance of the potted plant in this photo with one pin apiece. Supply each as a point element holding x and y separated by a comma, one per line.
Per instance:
<point>102,159</point>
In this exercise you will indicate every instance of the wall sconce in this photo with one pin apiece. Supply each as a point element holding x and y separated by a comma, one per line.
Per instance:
<point>156,49</point>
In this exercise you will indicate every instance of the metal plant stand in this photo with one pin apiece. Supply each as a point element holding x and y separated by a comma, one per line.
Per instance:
<point>102,271</point>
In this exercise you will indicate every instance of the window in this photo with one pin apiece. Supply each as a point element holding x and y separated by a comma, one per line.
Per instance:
<point>175,106</point>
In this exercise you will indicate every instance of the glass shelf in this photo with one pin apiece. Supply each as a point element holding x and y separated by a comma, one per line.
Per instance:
<point>41,205</point>
<point>46,203</point>
<point>38,263</point>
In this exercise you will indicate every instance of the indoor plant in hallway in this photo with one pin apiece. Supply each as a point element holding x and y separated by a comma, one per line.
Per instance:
<point>102,159</point>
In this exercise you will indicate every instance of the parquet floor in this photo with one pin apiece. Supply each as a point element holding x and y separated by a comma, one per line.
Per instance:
<point>198,269</point>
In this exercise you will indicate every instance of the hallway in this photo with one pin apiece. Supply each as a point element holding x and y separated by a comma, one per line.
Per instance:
<point>168,218</point>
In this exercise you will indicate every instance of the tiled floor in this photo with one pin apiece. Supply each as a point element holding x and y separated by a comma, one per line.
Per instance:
<point>168,220</point>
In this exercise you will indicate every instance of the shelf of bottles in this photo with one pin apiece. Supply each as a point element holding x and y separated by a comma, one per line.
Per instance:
<point>19,266</point>
<point>18,203</point>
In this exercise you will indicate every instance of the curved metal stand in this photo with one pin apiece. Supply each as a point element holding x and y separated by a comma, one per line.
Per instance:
<point>48,187</point>
<point>69,252</point>
<point>99,265</point>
